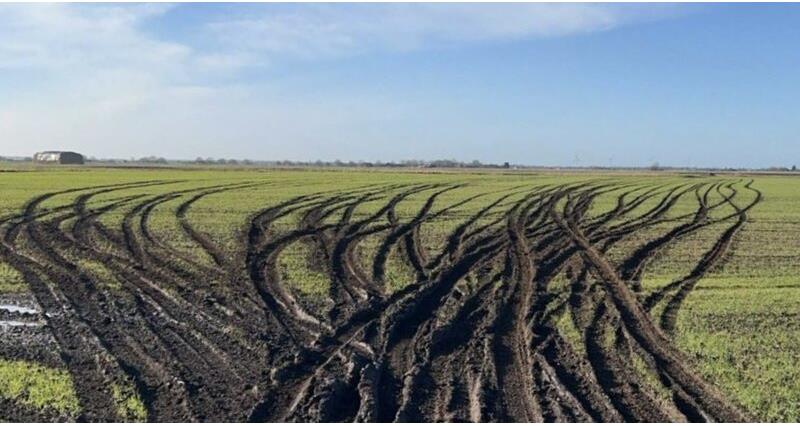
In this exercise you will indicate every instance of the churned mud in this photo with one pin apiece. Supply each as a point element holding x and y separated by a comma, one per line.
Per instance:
<point>474,337</point>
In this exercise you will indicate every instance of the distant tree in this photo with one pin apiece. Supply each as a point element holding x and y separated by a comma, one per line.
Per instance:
<point>794,168</point>
<point>506,165</point>
<point>153,160</point>
<point>444,163</point>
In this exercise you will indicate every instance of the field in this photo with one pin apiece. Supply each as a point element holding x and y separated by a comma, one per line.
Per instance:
<point>340,295</point>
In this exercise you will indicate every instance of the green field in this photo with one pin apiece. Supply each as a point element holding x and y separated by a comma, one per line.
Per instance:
<point>738,325</point>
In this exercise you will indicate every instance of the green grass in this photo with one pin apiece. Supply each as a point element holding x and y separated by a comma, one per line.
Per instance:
<point>10,280</point>
<point>129,406</point>
<point>38,387</point>
<point>739,326</point>
<point>747,341</point>
<point>99,273</point>
<point>298,273</point>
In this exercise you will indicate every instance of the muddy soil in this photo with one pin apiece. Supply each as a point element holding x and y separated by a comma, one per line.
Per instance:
<point>474,337</point>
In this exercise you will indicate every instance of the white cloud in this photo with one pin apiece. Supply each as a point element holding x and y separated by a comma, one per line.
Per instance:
<point>314,30</point>
<point>190,121</point>
<point>108,85</point>
<point>77,40</point>
<point>60,36</point>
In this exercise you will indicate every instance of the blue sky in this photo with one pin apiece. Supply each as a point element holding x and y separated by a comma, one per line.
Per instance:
<point>546,84</point>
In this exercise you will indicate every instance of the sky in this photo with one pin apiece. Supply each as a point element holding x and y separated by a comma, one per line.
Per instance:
<point>702,85</point>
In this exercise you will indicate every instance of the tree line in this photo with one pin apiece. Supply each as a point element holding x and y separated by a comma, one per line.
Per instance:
<point>318,163</point>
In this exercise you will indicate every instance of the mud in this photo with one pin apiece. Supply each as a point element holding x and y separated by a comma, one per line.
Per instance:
<point>475,336</point>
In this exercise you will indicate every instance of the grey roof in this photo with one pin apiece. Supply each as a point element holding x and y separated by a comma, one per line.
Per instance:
<point>57,152</point>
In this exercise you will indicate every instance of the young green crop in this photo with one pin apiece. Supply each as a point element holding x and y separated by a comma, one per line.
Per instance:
<point>38,387</point>
<point>739,326</point>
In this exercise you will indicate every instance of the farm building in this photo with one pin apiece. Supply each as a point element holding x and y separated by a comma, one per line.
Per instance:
<point>58,157</point>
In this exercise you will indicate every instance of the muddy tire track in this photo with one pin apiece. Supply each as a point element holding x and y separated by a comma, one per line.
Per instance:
<point>477,336</point>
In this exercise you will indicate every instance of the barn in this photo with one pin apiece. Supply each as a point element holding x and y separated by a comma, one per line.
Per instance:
<point>58,157</point>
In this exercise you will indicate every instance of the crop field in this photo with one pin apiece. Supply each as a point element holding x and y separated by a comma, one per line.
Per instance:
<point>342,295</point>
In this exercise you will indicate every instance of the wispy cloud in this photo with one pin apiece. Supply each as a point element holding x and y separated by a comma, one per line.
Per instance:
<point>103,73</point>
<point>63,36</point>
<point>325,30</point>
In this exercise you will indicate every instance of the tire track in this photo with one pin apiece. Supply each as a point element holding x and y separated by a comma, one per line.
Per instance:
<point>476,337</point>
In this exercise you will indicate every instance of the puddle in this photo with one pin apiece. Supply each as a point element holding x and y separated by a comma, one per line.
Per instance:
<point>17,309</point>
<point>7,324</point>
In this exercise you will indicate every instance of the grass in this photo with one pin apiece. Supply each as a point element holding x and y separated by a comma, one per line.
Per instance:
<point>739,326</point>
<point>11,281</point>
<point>129,406</point>
<point>38,387</point>
<point>298,272</point>
<point>747,341</point>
